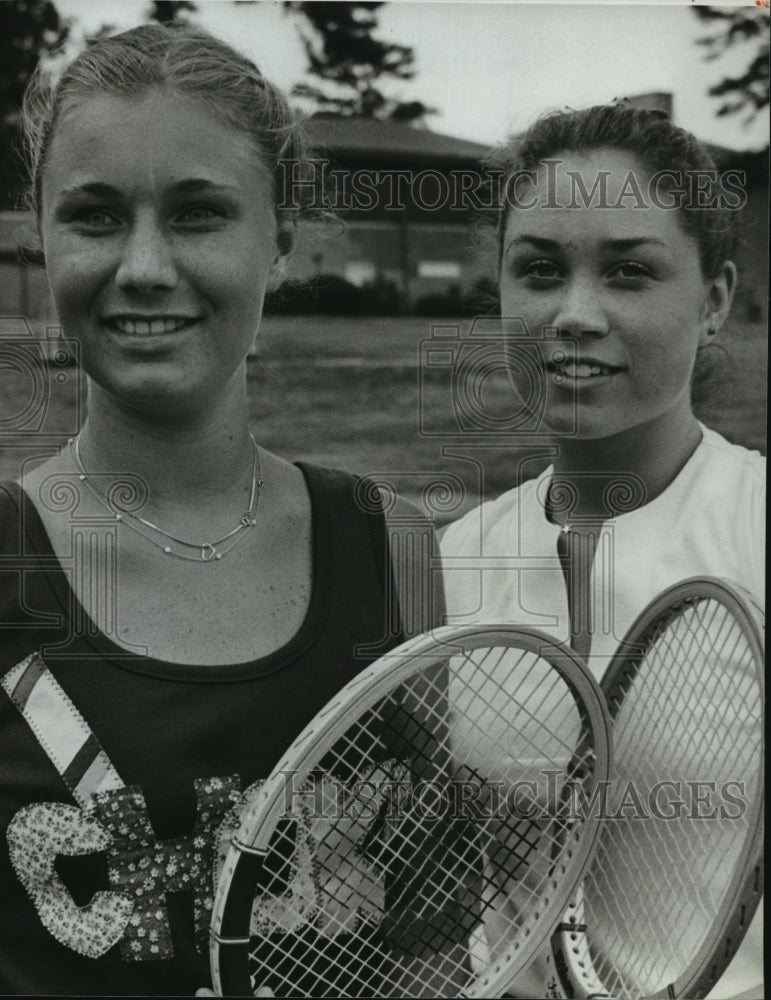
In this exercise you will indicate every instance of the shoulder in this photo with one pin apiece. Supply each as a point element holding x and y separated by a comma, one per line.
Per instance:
<point>370,495</point>
<point>733,458</point>
<point>405,548</point>
<point>10,513</point>
<point>486,525</point>
<point>723,511</point>
<point>10,495</point>
<point>13,547</point>
<point>323,478</point>
<point>350,495</point>
<point>728,471</point>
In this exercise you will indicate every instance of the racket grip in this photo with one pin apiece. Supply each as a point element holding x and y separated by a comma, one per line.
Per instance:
<point>571,971</point>
<point>232,947</point>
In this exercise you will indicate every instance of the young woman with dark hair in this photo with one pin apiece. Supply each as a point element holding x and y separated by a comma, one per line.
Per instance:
<point>615,245</point>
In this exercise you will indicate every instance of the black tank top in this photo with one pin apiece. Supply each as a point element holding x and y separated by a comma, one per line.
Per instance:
<point>183,738</point>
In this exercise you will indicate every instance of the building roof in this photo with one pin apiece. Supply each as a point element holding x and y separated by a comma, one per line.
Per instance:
<point>365,138</point>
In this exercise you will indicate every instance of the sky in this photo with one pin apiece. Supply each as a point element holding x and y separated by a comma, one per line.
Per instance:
<point>491,68</point>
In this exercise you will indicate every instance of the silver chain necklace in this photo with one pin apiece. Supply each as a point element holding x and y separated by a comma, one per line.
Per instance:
<point>206,551</point>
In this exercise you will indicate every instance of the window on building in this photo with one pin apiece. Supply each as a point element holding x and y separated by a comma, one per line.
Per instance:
<point>445,269</point>
<point>359,272</point>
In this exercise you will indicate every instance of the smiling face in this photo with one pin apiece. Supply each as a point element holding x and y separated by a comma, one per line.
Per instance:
<point>160,236</point>
<point>621,289</point>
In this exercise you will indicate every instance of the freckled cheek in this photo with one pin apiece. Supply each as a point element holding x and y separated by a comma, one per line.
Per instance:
<point>71,299</point>
<point>238,295</point>
<point>75,280</point>
<point>535,314</point>
<point>234,270</point>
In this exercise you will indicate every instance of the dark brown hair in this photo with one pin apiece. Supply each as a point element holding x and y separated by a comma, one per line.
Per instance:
<point>656,141</point>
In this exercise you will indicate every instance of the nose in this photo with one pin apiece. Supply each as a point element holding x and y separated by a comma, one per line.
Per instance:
<point>581,309</point>
<point>147,261</point>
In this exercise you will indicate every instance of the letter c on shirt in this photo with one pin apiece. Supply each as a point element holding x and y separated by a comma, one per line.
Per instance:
<point>39,833</point>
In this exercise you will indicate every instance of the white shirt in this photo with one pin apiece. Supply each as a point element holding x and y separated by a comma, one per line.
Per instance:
<point>501,565</point>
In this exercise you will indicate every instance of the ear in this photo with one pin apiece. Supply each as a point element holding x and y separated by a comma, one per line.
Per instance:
<point>717,305</point>
<point>286,240</point>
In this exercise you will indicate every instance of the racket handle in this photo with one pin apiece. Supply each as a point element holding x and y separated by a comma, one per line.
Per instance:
<point>572,975</point>
<point>232,977</point>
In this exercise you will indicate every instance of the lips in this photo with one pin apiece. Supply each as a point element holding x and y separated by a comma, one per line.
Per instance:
<point>586,368</point>
<point>149,326</point>
<point>583,370</point>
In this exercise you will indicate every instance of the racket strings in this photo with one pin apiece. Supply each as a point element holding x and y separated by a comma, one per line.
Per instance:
<point>539,696</point>
<point>405,837</point>
<point>309,964</point>
<point>327,933</point>
<point>688,737</point>
<point>320,950</point>
<point>709,693</point>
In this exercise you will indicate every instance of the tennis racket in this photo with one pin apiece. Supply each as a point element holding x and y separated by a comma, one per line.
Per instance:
<point>677,874</point>
<point>428,795</point>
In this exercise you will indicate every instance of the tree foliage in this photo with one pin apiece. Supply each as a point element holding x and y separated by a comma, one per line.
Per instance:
<point>748,26</point>
<point>166,11</point>
<point>350,62</point>
<point>28,29</point>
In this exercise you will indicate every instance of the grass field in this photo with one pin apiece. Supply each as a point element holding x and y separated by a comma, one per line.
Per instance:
<point>376,395</point>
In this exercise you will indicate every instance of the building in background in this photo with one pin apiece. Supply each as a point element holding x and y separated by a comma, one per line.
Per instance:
<point>408,207</point>
<point>23,286</point>
<point>406,197</point>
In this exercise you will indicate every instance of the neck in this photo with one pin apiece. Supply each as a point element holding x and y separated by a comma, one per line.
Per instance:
<point>616,474</point>
<point>182,460</point>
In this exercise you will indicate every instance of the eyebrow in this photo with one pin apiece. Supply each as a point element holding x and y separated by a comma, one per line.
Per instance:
<point>536,241</point>
<point>195,184</point>
<point>191,185</point>
<point>629,243</point>
<point>95,188</point>
<point>634,241</point>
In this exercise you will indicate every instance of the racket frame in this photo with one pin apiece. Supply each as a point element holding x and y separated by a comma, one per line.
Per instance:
<point>231,915</point>
<point>570,946</point>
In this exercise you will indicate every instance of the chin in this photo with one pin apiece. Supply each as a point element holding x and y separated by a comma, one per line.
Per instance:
<point>564,425</point>
<point>586,423</point>
<point>155,397</point>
